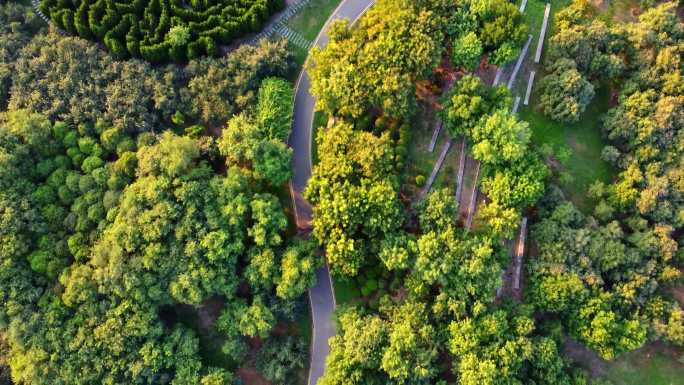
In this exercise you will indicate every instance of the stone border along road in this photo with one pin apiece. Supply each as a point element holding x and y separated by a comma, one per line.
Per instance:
<point>294,37</point>
<point>321,296</point>
<point>436,168</point>
<point>35,4</point>
<point>278,26</point>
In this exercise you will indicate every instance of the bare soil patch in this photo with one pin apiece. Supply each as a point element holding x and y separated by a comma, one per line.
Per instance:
<point>250,376</point>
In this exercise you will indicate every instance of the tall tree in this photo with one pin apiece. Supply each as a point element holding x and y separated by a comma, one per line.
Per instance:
<point>355,196</point>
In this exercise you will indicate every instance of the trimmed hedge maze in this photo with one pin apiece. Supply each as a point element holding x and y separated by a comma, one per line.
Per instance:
<point>161,30</point>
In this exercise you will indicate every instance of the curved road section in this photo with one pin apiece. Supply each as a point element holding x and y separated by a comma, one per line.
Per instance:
<point>321,295</point>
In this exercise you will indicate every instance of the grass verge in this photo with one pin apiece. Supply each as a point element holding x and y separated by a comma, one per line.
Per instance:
<point>648,367</point>
<point>309,21</point>
<point>583,139</point>
<point>304,329</point>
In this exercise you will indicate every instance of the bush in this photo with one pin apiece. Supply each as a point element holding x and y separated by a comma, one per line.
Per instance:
<point>160,30</point>
<point>281,358</point>
<point>194,131</point>
<point>369,287</point>
<point>566,93</point>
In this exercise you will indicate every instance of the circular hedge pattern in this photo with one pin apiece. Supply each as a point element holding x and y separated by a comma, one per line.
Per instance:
<point>161,30</point>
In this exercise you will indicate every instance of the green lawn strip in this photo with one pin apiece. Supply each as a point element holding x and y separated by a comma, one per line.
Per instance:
<point>641,368</point>
<point>582,138</point>
<point>449,173</point>
<point>299,54</point>
<point>304,330</point>
<point>420,161</point>
<point>309,21</point>
<point>469,181</point>
<point>534,17</point>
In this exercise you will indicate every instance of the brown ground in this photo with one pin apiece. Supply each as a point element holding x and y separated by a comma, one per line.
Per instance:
<point>601,4</point>
<point>209,312</point>
<point>486,72</point>
<point>584,357</point>
<point>677,293</point>
<point>250,376</point>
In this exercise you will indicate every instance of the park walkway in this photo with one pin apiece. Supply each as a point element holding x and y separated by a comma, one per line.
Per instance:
<point>321,295</point>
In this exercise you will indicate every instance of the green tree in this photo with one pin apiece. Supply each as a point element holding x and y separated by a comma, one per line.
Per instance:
<point>466,51</point>
<point>298,269</point>
<point>274,108</point>
<point>280,359</point>
<point>374,66</point>
<point>566,93</point>
<point>500,138</point>
<point>355,196</point>
<point>273,162</point>
<point>468,101</point>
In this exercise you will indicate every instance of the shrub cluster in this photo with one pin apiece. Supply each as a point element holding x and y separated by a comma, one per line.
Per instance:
<point>161,30</point>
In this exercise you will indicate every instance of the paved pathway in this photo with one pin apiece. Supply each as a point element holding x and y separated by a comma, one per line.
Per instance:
<point>321,295</point>
<point>323,304</point>
<point>300,138</point>
<point>519,62</point>
<point>461,169</point>
<point>437,167</point>
<point>278,23</point>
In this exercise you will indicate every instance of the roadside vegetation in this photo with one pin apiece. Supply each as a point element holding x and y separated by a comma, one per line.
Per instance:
<point>309,22</point>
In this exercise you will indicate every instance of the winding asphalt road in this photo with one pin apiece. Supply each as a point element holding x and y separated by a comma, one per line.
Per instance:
<point>321,295</point>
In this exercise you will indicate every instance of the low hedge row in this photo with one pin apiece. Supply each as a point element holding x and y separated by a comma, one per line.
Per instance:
<point>161,30</point>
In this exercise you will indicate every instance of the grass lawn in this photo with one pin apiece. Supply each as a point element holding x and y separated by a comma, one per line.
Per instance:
<point>582,138</point>
<point>309,21</point>
<point>645,368</point>
<point>304,329</point>
<point>449,172</point>
<point>655,370</point>
<point>420,161</point>
<point>300,55</point>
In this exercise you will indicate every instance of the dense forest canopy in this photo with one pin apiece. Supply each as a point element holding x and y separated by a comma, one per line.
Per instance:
<point>605,275</point>
<point>374,65</point>
<point>113,228</point>
<point>443,313</point>
<point>120,213</point>
<point>146,235</point>
<point>599,279</point>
